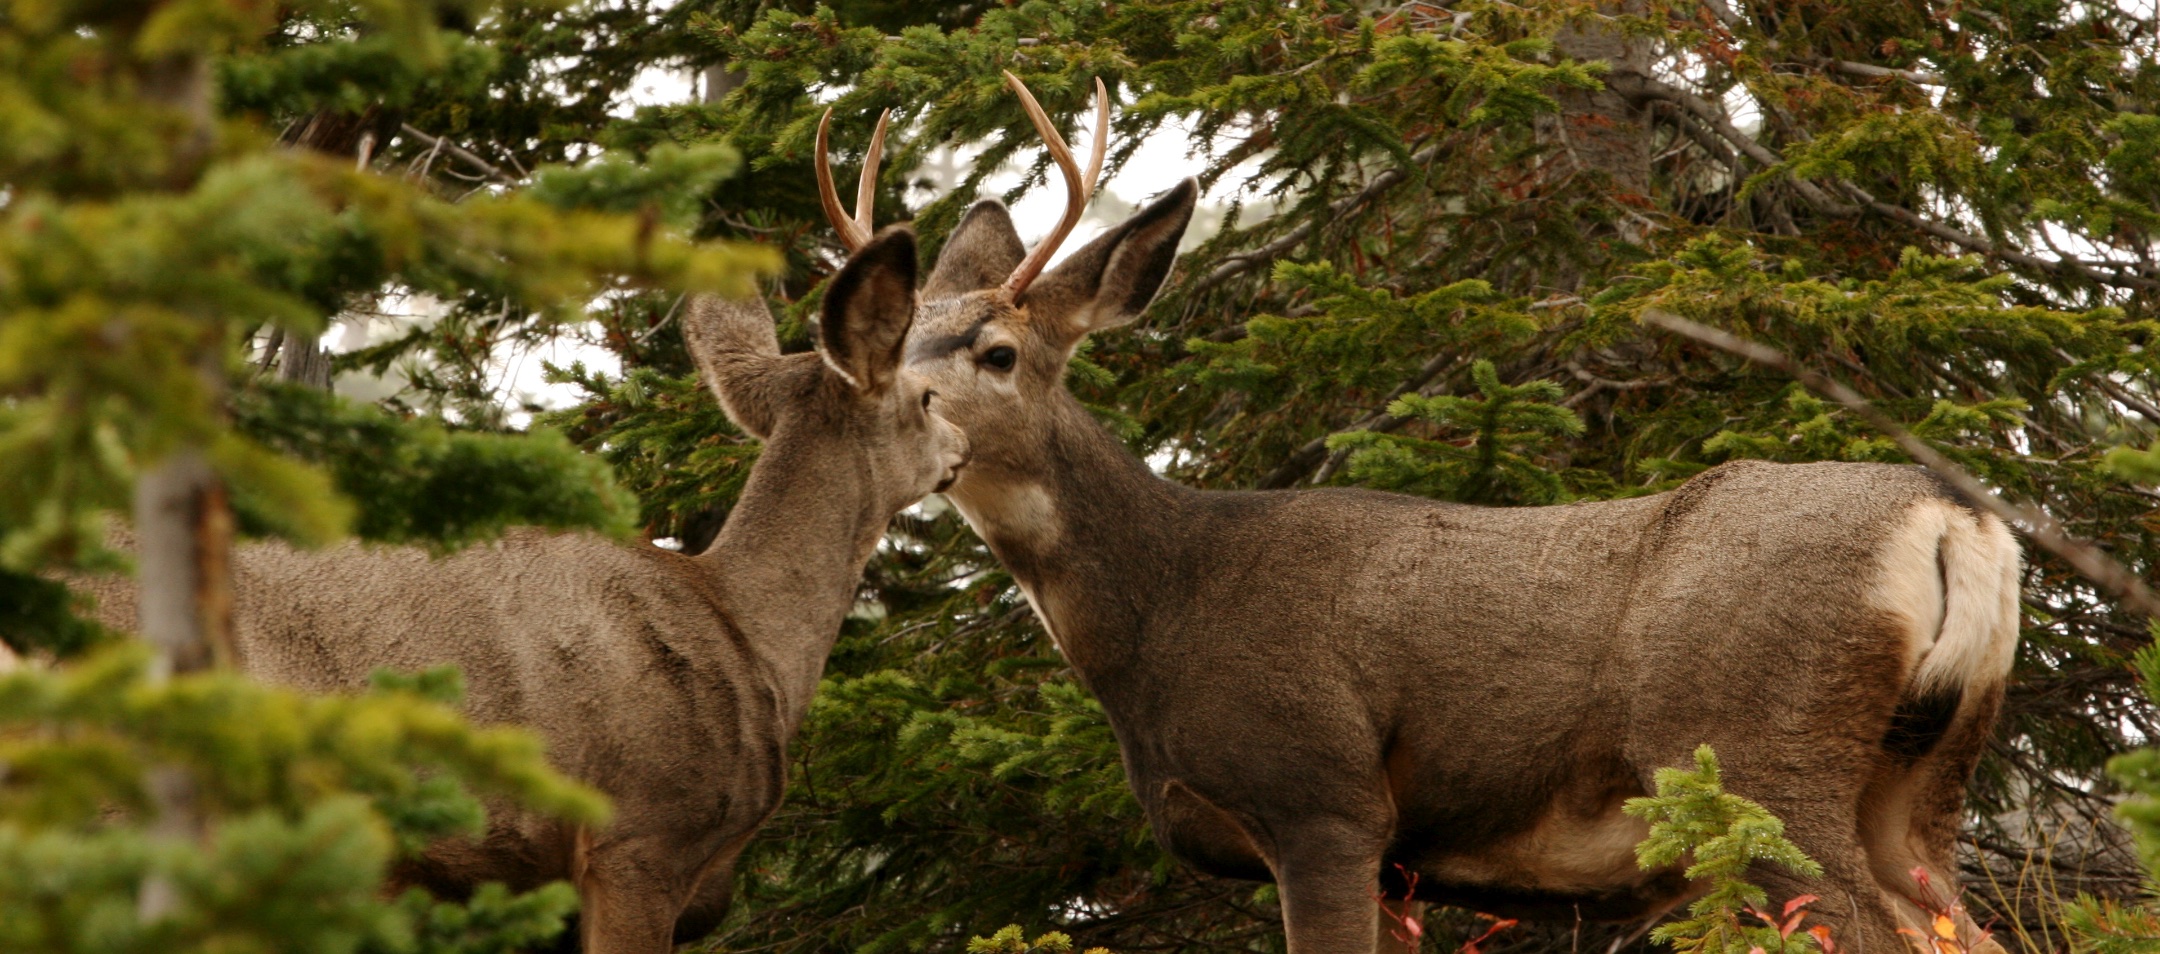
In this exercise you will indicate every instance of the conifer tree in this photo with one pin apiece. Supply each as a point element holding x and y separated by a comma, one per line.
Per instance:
<point>1948,207</point>
<point>1941,206</point>
<point>152,224</point>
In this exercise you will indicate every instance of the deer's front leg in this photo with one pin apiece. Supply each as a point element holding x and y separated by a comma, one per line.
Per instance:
<point>1325,871</point>
<point>629,898</point>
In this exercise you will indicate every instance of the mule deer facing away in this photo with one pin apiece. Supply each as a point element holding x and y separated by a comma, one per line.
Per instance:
<point>674,683</point>
<point>1312,687</point>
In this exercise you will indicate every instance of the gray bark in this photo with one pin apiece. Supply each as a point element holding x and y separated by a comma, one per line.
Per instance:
<point>183,533</point>
<point>183,525</point>
<point>720,81</point>
<point>1602,131</point>
<point>183,530</point>
<point>301,360</point>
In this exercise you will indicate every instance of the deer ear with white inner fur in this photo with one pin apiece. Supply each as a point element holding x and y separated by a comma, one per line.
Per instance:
<point>868,308</point>
<point>736,352</point>
<point>1110,281</point>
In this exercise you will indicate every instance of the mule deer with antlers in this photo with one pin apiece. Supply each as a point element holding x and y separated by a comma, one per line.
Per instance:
<point>1315,687</point>
<point>674,683</point>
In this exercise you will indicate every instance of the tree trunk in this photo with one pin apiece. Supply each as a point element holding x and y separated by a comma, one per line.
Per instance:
<point>1603,135</point>
<point>183,526</point>
<point>302,360</point>
<point>183,538</point>
<point>720,81</point>
<point>1600,131</point>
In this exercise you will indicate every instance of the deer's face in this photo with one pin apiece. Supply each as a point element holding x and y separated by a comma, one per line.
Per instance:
<point>853,397</point>
<point>995,374</point>
<point>994,329</point>
<point>997,357</point>
<point>913,448</point>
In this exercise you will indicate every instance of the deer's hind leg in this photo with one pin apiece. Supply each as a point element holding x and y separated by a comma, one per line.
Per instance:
<point>1822,820</point>
<point>1911,811</point>
<point>1805,756</point>
<point>712,896</point>
<point>707,908</point>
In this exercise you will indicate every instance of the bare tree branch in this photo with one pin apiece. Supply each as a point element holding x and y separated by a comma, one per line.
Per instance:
<point>489,169</point>
<point>2092,270</point>
<point>1243,262</point>
<point>2122,395</point>
<point>2037,525</point>
<point>2118,275</point>
<point>1884,72</point>
<point>1638,86</point>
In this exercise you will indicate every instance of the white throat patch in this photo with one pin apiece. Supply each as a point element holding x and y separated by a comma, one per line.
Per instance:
<point>1016,513</point>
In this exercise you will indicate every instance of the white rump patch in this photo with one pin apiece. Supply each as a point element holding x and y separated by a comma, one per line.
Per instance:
<point>1953,577</point>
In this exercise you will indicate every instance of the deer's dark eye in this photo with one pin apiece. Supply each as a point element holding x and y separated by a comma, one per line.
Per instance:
<point>1000,357</point>
<point>926,396</point>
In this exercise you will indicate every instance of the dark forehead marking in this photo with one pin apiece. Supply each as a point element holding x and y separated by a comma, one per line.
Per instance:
<point>931,349</point>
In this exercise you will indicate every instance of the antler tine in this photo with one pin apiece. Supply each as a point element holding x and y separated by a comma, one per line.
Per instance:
<point>855,231</point>
<point>1079,186</point>
<point>1102,136</point>
<point>866,189</point>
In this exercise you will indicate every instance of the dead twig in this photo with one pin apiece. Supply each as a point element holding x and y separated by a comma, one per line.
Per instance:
<point>1235,265</point>
<point>488,169</point>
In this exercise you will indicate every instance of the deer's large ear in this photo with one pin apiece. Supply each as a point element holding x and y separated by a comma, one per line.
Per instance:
<point>868,308</point>
<point>983,249</point>
<point>737,354</point>
<point>1110,281</point>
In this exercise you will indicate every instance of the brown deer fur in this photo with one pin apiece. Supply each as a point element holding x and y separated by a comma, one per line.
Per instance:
<point>1316,686</point>
<point>674,683</point>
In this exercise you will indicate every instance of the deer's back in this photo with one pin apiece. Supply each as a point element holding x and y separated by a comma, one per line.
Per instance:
<point>1397,591</point>
<point>595,644</point>
<point>620,657</point>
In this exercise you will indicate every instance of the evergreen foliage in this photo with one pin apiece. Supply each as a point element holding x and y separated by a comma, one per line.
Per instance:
<point>2129,926</point>
<point>1009,940</point>
<point>316,797</point>
<point>1434,217</point>
<point>415,481</point>
<point>1504,431</point>
<point>167,196</point>
<point>1720,836</point>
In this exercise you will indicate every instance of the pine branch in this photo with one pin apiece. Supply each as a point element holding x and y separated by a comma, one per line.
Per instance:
<point>1639,87</point>
<point>2122,395</point>
<point>1235,265</point>
<point>2120,275</point>
<point>1305,458</point>
<point>1598,385</point>
<point>2037,525</point>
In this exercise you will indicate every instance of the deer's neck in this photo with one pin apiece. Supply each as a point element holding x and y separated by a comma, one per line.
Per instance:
<point>1089,532</point>
<point>789,559</point>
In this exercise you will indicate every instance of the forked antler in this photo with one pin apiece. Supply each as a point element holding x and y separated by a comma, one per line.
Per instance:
<point>854,232</point>
<point>1079,187</point>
